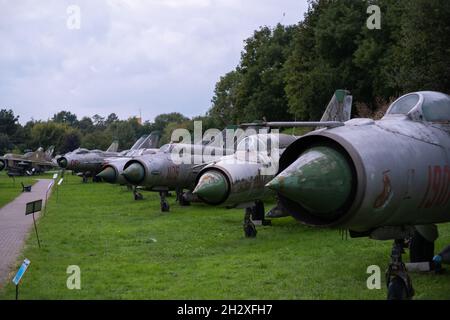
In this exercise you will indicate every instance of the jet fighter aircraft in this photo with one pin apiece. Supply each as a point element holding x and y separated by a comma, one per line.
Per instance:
<point>112,168</point>
<point>239,180</point>
<point>87,163</point>
<point>385,179</point>
<point>159,172</point>
<point>28,163</point>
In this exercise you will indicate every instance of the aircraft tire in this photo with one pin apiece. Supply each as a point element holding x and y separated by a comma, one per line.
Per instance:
<point>165,207</point>
<point>397,289</point>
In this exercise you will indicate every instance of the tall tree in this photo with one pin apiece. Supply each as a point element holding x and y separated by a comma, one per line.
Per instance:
<point>8,122</point>
<point>224,107</point>
<point>261,88</point>
<point>65,117</point>
<point>423,54</point>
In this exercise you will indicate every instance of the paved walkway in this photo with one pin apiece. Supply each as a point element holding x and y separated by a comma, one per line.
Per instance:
<point>14,227</point>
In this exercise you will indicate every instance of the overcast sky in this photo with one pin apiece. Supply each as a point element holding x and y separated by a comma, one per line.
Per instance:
<point>156,56</point>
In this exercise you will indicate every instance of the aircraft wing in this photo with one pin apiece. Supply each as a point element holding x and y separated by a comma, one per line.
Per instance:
<point>291,124</point>
<point>337,112</point>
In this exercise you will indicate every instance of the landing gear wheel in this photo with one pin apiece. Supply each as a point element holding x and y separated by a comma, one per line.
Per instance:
<point>138,195</point>
<point>165,206</point>
<point>96,179</point>
<point>85,179</point>
<point>249,226</point>
<point>399,283</point>
<point>183,202</point>
<point>420,249</point>
<point>397,289</point>
<point>163,202</point>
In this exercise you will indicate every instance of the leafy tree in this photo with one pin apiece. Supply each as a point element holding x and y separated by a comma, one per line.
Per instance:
<point>97,140</point>
<point>86,125</point>
<point>71,141</point>
<point>261,91</point>
<point>8,122</point>
<point>423,54</point>
<point>111,119</point>
<point>5,143</point>
<point>65,117</point>
<point>45,134</point>
<point>322,57</point>
<point>162,120</point>
<point>224,107</point>
<point>98,121</point>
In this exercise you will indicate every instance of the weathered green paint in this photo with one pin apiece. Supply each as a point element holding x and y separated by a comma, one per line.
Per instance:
<point>340,95</point>
<point>320,180</point>
<point>63,163</point>
<point>108,174</point>
<point>212,187</point>
<point>135,173</point>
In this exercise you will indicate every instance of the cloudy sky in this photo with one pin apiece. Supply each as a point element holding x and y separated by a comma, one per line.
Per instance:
<point>156,56</point>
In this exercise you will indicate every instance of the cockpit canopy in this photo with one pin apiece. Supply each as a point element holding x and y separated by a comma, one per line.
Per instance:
<point>427,106</point>
<point>81,151</point>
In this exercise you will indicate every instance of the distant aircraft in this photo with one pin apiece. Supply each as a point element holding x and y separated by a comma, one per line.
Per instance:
<point>88,163</point>
<point>112,168</point>
<point>387,179</point>
<point>159,172</point>
<point>239,180</point>
<point>29,163</point>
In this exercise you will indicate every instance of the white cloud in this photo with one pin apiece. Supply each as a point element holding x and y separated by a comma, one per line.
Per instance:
<point>157,56</point>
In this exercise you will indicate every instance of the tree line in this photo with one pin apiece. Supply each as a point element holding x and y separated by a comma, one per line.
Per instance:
<point>288,73</point>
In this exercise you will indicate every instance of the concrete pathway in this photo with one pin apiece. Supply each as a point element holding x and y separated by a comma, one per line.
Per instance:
<point>14,227</point>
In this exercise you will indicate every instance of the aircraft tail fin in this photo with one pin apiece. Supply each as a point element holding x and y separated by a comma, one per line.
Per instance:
<point>152,141</point>
<point>113,147</point>
<point>139,142</point>
<point>339,108</point>
<point>49,152</point>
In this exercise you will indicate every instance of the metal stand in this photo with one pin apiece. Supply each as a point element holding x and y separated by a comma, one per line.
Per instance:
<point>258,214</point>
<point>17,292</point>
<point>46,201</point>
<point>35,229</point>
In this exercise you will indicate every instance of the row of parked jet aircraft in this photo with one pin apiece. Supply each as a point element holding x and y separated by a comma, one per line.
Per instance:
<point>387,179</point>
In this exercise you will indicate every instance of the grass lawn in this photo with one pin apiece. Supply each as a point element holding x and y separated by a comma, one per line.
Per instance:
<point>10,188</point>
<point>128,249</point>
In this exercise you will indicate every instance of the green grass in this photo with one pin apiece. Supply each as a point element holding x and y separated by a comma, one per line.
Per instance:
<point>200,253</point>
<point>10,188</point>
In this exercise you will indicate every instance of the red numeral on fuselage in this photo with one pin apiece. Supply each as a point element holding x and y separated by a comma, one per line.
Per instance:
<point>437,192</point>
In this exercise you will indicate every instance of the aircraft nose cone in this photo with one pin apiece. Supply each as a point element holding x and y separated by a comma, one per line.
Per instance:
<point>2,165</point>
<point>108,174</point>
<point>320,180</point>
<point>135,173</point>
<point>62,162</point>
<point>212,187</point>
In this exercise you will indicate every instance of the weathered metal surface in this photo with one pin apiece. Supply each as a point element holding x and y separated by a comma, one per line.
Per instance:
<point>400,165</point>
<point>244,171</point>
